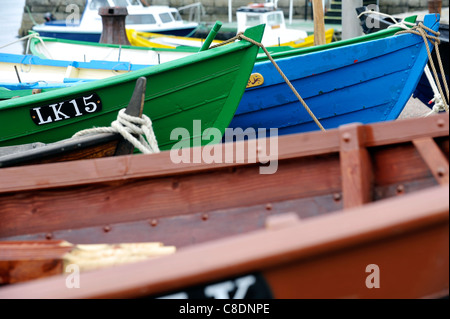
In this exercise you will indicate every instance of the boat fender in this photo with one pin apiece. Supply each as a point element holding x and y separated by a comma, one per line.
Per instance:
<point>49,17</point>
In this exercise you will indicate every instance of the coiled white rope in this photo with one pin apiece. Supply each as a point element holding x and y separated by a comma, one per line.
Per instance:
<point>126,125</point>
<point>439,105</point>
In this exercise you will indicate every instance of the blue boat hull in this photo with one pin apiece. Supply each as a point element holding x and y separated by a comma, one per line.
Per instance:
<point>366,82</point>
<point>89,37</point>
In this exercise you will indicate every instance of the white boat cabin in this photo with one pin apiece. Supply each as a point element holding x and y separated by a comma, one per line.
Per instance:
<point>154,18</point>
<point>137,13</point>
<point>275,32</point>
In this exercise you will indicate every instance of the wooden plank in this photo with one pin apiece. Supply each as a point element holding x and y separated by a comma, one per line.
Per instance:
<point>22,261</point>
<point>356,168</point>
<point>434,158</point>
<point>319,22</point>
<point>48,210</point>
<point>208,225</point>
<point>176,230</point>
<point>347,239</point>
<point>137,166</point>
<point>27,260</point>
<point>156,195</point>
<point>86,147</point>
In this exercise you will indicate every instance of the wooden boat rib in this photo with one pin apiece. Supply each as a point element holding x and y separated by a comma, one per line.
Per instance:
<point>214,80</point>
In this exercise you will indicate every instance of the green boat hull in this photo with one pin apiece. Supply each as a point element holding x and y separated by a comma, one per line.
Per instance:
<point>206,86</point>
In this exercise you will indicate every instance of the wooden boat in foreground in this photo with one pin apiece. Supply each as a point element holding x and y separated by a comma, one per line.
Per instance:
<point>206,86</point>
<point>367,196</point>
<point>387,244</point>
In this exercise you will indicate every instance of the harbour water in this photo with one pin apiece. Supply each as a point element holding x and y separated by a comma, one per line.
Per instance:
<point>10,22</point>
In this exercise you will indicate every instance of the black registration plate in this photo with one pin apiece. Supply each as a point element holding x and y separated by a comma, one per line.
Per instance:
<point>66,110</point>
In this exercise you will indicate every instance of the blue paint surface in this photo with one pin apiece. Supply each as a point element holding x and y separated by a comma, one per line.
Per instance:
<point>366,83</point>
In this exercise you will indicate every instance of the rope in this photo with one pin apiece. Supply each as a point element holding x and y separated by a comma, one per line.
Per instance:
<point>434,39</point>
<point>240,35</point>
<point>29,37</point>
<point>439,102</point>
<point>126,125</point>
<point>402,24</point>
<point>437,98</point>
<point>30,15</point>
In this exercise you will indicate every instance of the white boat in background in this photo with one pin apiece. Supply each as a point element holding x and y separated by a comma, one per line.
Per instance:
<point>83,51</point>
<point>275,33</point>
<point>155,18</point>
